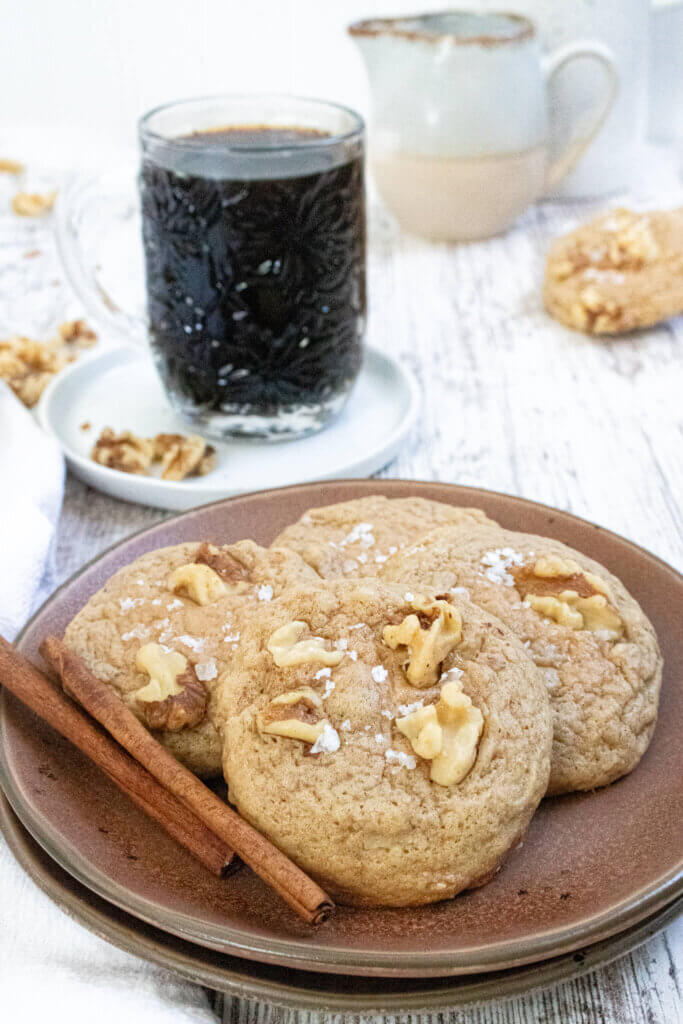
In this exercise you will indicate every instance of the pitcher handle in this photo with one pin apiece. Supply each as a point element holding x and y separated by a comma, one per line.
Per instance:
<point>574,149</point>
<point>84,204</point>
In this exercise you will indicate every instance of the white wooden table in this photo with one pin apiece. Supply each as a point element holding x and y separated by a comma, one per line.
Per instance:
<point>512,402</point>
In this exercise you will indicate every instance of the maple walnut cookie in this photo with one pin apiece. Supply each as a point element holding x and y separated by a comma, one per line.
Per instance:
<point>355,538</point>
<point>597,650</point>
<point>163,629</point>
<point>621,271</point>
<point>395,745</point>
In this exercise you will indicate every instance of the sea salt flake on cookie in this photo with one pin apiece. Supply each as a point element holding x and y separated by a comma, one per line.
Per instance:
<point>327,742</point>
<point>498,562</point>
<point>399,758</point>
<point>379,673</point>
<point>126,603</point>
<point>195,644</point>
<point>265,592</point>
<point>206,670</point>
<point>137,633</point>
<point>452,673</point>
<point>407,709</point>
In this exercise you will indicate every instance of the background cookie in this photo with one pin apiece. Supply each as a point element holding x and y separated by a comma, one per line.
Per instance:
<point>139,606</point>
<point>350,799</point>
<point>621,271</point>
<point>355,538</point>
<point>601,664</point>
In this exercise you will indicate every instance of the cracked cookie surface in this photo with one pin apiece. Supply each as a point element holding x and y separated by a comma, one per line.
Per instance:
<point>356,538</point>
<point>145,604</point>
<point>594,645</point>
<point>383,814</point>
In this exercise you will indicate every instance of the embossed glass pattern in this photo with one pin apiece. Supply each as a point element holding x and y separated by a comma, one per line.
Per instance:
<point>254,234</point>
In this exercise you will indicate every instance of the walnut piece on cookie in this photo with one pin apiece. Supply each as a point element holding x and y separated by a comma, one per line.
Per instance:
<point>446,733</point>
<point>430,633</point>
<point>198,581</point>
<point>290,646</point>
<point>559,588</point>
<point>621,271</point>
<point>294,715</point>
<point>174,698</point>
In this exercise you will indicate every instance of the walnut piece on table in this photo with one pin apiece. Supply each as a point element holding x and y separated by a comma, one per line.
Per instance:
<point>184,456</point>
<point>8,166</point>
<point>125,451</point>
<point>180,456</point>
<point>27,366</point>
<point>33,204</point>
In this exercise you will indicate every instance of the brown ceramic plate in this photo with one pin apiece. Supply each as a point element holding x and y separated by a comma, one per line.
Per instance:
<point>592,865</point>
<point>305,990</point>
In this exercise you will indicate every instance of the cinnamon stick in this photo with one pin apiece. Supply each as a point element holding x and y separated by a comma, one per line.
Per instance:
<point>31,687</point>
<point>274,867</point>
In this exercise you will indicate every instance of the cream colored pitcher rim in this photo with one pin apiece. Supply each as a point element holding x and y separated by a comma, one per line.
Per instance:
<point>413,27</point>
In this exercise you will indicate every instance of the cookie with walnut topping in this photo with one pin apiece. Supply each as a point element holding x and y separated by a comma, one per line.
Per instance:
<point>394,744</point>
<point>163,629</point>
<point>621,271</point>
<point>355,538</point>
<point>597,650</point>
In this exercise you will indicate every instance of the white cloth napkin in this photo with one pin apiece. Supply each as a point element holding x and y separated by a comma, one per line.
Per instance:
<point>32,480</point>
<point>51,967</point>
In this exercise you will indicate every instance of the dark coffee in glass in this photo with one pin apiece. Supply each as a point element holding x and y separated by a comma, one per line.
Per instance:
<point>254,236</point>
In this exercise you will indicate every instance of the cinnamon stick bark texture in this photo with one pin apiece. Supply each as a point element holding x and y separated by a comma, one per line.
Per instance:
<point>30,686</point>
<point>274,867</point>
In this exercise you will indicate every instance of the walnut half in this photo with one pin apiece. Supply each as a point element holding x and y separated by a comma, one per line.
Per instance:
<point>290,646</point>
<point>294,715</point>
<point>222,563</point>
<point>430,635</point>
<point>174,698</point>
<point>183,456</point>
<point>201,583</point>
<point>124,451</point>
<point>447,734</point>
<point>560,589</point>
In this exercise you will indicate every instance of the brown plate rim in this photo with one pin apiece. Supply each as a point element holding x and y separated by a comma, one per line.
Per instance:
<point>300,953</point>
<point>300,990</point>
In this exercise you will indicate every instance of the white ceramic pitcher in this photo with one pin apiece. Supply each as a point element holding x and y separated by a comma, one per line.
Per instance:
<point>615,161</point>
<point>462,138</point>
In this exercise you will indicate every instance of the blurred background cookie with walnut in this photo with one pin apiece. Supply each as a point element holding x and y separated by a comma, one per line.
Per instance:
<point>621,271</point>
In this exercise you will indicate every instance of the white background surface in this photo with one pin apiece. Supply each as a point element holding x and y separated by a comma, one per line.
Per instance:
<point>78,69</point>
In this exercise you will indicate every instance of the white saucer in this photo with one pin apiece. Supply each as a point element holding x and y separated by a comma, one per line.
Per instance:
<point>119,388</point>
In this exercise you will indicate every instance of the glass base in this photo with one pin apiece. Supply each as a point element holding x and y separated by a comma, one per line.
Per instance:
<point>287,424</point>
